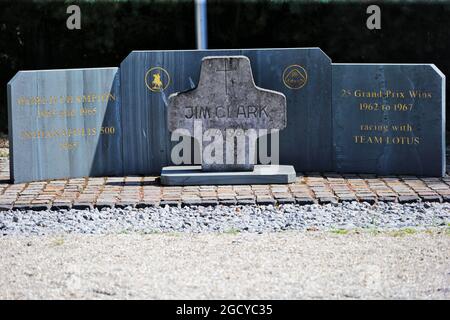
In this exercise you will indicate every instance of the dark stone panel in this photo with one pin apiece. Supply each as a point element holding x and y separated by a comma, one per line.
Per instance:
<point>303,75</point>
<point>64,124</point>
<point>389,119</point>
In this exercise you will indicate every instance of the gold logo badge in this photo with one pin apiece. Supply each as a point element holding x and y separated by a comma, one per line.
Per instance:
<point>157,79</point>
<point>295,76</point>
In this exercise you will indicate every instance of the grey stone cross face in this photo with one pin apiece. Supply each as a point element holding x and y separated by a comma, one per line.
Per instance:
<point>227,102</point>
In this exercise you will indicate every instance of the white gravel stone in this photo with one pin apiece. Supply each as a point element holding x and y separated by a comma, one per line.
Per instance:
<point>224,218</point>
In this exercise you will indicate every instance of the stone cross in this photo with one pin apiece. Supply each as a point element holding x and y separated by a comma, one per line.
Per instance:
<point>227,105</point>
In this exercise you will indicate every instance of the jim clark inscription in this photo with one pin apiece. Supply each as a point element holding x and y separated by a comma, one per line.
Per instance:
<point>229,109</point>
<point>229,112</point>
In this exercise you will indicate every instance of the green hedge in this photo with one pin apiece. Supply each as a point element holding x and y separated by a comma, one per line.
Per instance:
<point>33,35</point>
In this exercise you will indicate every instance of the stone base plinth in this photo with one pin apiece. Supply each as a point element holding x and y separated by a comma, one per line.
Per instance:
<point>193,175</point>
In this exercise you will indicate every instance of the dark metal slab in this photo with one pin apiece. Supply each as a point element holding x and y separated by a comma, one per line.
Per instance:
<point>303,75</point>
<point>64,123</point>
<point>389,119</point>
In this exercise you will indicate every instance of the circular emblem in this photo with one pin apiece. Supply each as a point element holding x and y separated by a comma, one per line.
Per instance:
<point>157,79</point>
<point>295,76</point>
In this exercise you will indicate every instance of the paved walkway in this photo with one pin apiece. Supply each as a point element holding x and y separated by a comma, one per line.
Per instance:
<point>136,191</point>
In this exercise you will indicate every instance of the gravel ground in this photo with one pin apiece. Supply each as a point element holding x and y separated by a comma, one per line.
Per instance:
<point>281,265</point>
<point>226,219</point>
<point>349,250</point>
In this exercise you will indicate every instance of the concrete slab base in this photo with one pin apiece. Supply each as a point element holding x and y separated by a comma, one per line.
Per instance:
<point>193,175</point>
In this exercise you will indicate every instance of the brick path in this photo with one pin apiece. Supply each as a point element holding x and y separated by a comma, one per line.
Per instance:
<point>142,192</point>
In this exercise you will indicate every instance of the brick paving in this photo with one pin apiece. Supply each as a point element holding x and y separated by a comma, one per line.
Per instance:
<point>139,192</point>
